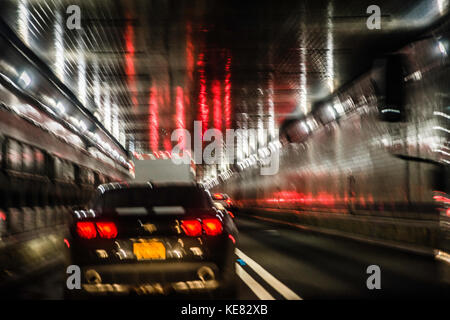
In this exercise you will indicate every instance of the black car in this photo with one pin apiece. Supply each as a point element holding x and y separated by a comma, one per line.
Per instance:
<point>223,199</point>
<point>153,239</point>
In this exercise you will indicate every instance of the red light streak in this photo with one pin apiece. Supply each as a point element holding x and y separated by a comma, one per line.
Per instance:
<point>189,53</point>
<point>227,94</point>
<point>153,122</point>
<point>217,104</point>
<point>441,199</point>
<point>129,60</point>
<point>294,197</point>
<point>167,144</point>
<point>67,243</point>
<point>180,118</point>
<point>203,106</point>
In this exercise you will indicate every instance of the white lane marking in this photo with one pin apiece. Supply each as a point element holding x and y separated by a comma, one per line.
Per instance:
<point>270,279</point>
<point>257,289</point>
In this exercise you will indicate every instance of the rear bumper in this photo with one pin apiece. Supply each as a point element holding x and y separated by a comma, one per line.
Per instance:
<point>156,288</point>
<point>160,278</point>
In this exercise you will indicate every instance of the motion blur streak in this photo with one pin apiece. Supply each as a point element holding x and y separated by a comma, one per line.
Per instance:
<point>129,60</point>
<point>180,114</point>
<point>202,95</point>
<point>227,98</point>
<point>153,127</point>
<point>217,106</point>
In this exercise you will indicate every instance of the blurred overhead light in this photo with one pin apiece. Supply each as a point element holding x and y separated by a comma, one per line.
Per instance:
<point>339,108</point>
<point>82,125</point>
<point>304,126</point>
<point>442,6</point>
<point>311,123</point>
<point>441,47</point>
<point>390,111</point>
<point>60,107</point>
<point>442,114</point>
<point>24,80</point>
<point>23,20</point>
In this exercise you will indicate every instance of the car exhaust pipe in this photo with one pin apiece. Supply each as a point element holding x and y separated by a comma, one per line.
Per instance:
<point>92,277</point>
<point>206,274</point>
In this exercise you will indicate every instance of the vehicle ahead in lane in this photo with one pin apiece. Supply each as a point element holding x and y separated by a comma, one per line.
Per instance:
<point>155,239</point>
<point>224,210</point>
<point>223,199</point>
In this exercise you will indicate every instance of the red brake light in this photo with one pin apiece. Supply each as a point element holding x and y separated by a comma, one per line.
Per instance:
<point>86,230</point>
<point>218,196</point>
<point>228,201</point>
<point>192,228</point>
<point>231,214</point>
<point>107,230</point>
<point>212,227</point>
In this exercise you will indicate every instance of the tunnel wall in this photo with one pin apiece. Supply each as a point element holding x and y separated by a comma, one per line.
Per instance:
<point>42,176</point>
<point>350,173</point>
<point>46,168</point>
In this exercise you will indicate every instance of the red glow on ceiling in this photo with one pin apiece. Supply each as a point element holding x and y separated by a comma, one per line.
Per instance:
<point>167,143</point>
<point>227,94</point>
<point>153,121</point>
<point>189,53</point>
<point>129,60</point>
<point>202,99</point>
<point>180,118</point>
<point>217,104</point>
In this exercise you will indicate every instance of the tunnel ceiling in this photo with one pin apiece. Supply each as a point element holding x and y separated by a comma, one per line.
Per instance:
<point>145,68</point>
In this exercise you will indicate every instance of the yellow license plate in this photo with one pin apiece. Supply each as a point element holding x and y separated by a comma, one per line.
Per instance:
<point>151,250</point>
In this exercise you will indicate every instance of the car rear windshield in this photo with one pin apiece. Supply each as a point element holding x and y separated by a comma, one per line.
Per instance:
<point>150,199</point>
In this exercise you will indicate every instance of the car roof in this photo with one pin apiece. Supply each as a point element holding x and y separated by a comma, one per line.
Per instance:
<point>141,185</point>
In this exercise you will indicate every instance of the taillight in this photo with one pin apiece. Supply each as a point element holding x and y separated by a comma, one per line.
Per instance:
<point>212,227</point>
<point>107,230</point>
<point>192,228</point>
<point>86,230</point>
<point>218,196</point>
<point>195,228</point>
<point>228,201</point>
